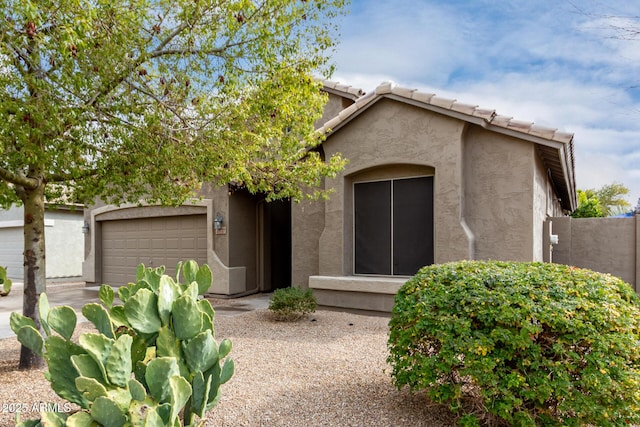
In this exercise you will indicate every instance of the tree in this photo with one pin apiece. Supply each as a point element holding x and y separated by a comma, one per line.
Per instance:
<point>612,199</point>
<point>589,205</point>
<point>606,201</point>
<point>147,99</point>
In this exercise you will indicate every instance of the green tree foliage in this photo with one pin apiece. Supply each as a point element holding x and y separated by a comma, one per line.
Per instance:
<point>147,99</point>
<point>612,200</point>
<point>526,343</point>
<point>589,205</point>
<point>605,201</point>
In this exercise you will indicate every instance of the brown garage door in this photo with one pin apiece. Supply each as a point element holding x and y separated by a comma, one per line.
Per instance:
<point>153,242</point>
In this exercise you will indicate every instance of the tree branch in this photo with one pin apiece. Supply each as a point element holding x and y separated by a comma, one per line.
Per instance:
<point>64,177</point>
<point>18,179</point>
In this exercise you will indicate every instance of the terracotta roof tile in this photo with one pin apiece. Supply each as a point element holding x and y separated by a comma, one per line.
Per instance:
<point>500,120</point>
<point>331,123</point>
<point>442,102</point>
<point>464,108</point>
<point>402,91</point>
<point>339,87</point>
<point>519,125</point>
<point>348,111</point>
<point>484,113</point>
<point>563,137</point>
<point>384,88</point>
<point>363,100</point>
<point>422,96</point>
<point>541,131</point>
<point>488,115</point>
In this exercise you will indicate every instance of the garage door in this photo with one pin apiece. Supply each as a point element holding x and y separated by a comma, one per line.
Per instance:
<point>11,250</point>
<point>153,242</point>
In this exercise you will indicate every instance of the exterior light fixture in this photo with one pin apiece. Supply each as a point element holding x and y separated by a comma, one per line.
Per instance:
<point>86,228</point>
<point>217,222</point>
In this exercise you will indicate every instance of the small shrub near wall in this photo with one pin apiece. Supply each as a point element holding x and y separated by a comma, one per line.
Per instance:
<point>291,304</point>
<point>520,343</point>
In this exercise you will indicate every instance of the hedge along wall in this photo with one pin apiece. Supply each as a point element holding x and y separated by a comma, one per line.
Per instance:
<point>605,245</point>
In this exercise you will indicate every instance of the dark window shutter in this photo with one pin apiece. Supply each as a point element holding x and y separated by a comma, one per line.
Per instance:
<point>372,211</point>
<point>412,225</point>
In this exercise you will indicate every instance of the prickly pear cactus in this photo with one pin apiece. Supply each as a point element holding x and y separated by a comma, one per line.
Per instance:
<point>154,360</point>
<point>5,282</point>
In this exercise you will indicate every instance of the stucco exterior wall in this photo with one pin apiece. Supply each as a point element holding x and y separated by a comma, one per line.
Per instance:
<point>492,195</point>
<point>332,108</point>
<point>606,245</point>
<point>307,224</point>
<point>393,133</point>
<point>499,195</point>
<point>242,237</point>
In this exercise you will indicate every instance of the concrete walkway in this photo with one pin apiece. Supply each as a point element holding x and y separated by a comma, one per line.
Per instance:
<point>76,295</point>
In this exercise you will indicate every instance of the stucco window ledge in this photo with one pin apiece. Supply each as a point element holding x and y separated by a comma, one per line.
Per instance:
<point>374,285</point>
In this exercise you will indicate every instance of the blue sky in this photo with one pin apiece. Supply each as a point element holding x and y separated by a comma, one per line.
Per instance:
<point>566,64</point>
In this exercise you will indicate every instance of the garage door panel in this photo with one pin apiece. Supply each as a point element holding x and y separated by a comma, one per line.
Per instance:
<point>11,251</point>
<point>153,242</point>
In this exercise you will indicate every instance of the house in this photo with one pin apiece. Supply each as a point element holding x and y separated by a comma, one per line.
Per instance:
<point>64,241</point>
<point>429,180</point>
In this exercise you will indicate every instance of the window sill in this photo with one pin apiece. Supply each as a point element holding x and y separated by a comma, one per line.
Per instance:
<point>367,284</point>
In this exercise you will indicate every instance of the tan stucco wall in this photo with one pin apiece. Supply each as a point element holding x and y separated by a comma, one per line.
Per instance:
<point>334,105</point>
<point>242,237</point>
<point>606,245</point>
<point>307,224</point>
<point>393,133</point>
<point>492,195</point>
<point>499,195</point>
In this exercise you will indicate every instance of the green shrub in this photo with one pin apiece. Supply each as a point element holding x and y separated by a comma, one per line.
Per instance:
<point>154,362</point>
<point>291,304</point>
<point>526,343</point>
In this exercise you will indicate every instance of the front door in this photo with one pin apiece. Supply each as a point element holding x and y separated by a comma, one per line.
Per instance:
<point>274,248</point>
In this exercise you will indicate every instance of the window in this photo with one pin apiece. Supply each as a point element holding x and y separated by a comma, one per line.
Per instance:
<point>393,226</point>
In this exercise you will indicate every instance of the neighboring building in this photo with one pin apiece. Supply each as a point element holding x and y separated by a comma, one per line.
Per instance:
<point>64,241</point>
<point>429,180</point>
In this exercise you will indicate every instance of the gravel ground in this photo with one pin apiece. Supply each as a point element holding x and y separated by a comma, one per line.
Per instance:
<point>328,370</point>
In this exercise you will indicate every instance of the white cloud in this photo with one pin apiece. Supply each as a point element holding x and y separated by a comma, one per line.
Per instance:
<point>403,37</point>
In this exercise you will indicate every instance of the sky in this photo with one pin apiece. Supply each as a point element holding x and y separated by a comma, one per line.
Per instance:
<point>573,65</point>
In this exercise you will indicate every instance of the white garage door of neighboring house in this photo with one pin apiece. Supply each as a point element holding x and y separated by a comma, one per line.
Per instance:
<point>11,248</point>
<point>152,241</point>
<point>63,238</point>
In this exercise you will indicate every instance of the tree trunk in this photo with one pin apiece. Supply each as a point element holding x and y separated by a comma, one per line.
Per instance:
<point>34,266</point>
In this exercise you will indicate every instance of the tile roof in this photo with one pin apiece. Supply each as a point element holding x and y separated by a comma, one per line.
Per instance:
<point>342,90</point>
<point>556,147</point>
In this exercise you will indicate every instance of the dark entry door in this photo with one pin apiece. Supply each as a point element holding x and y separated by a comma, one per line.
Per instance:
<point>274,259</point>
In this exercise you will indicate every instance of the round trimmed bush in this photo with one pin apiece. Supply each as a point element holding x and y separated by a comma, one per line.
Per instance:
<point>522,343</point>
